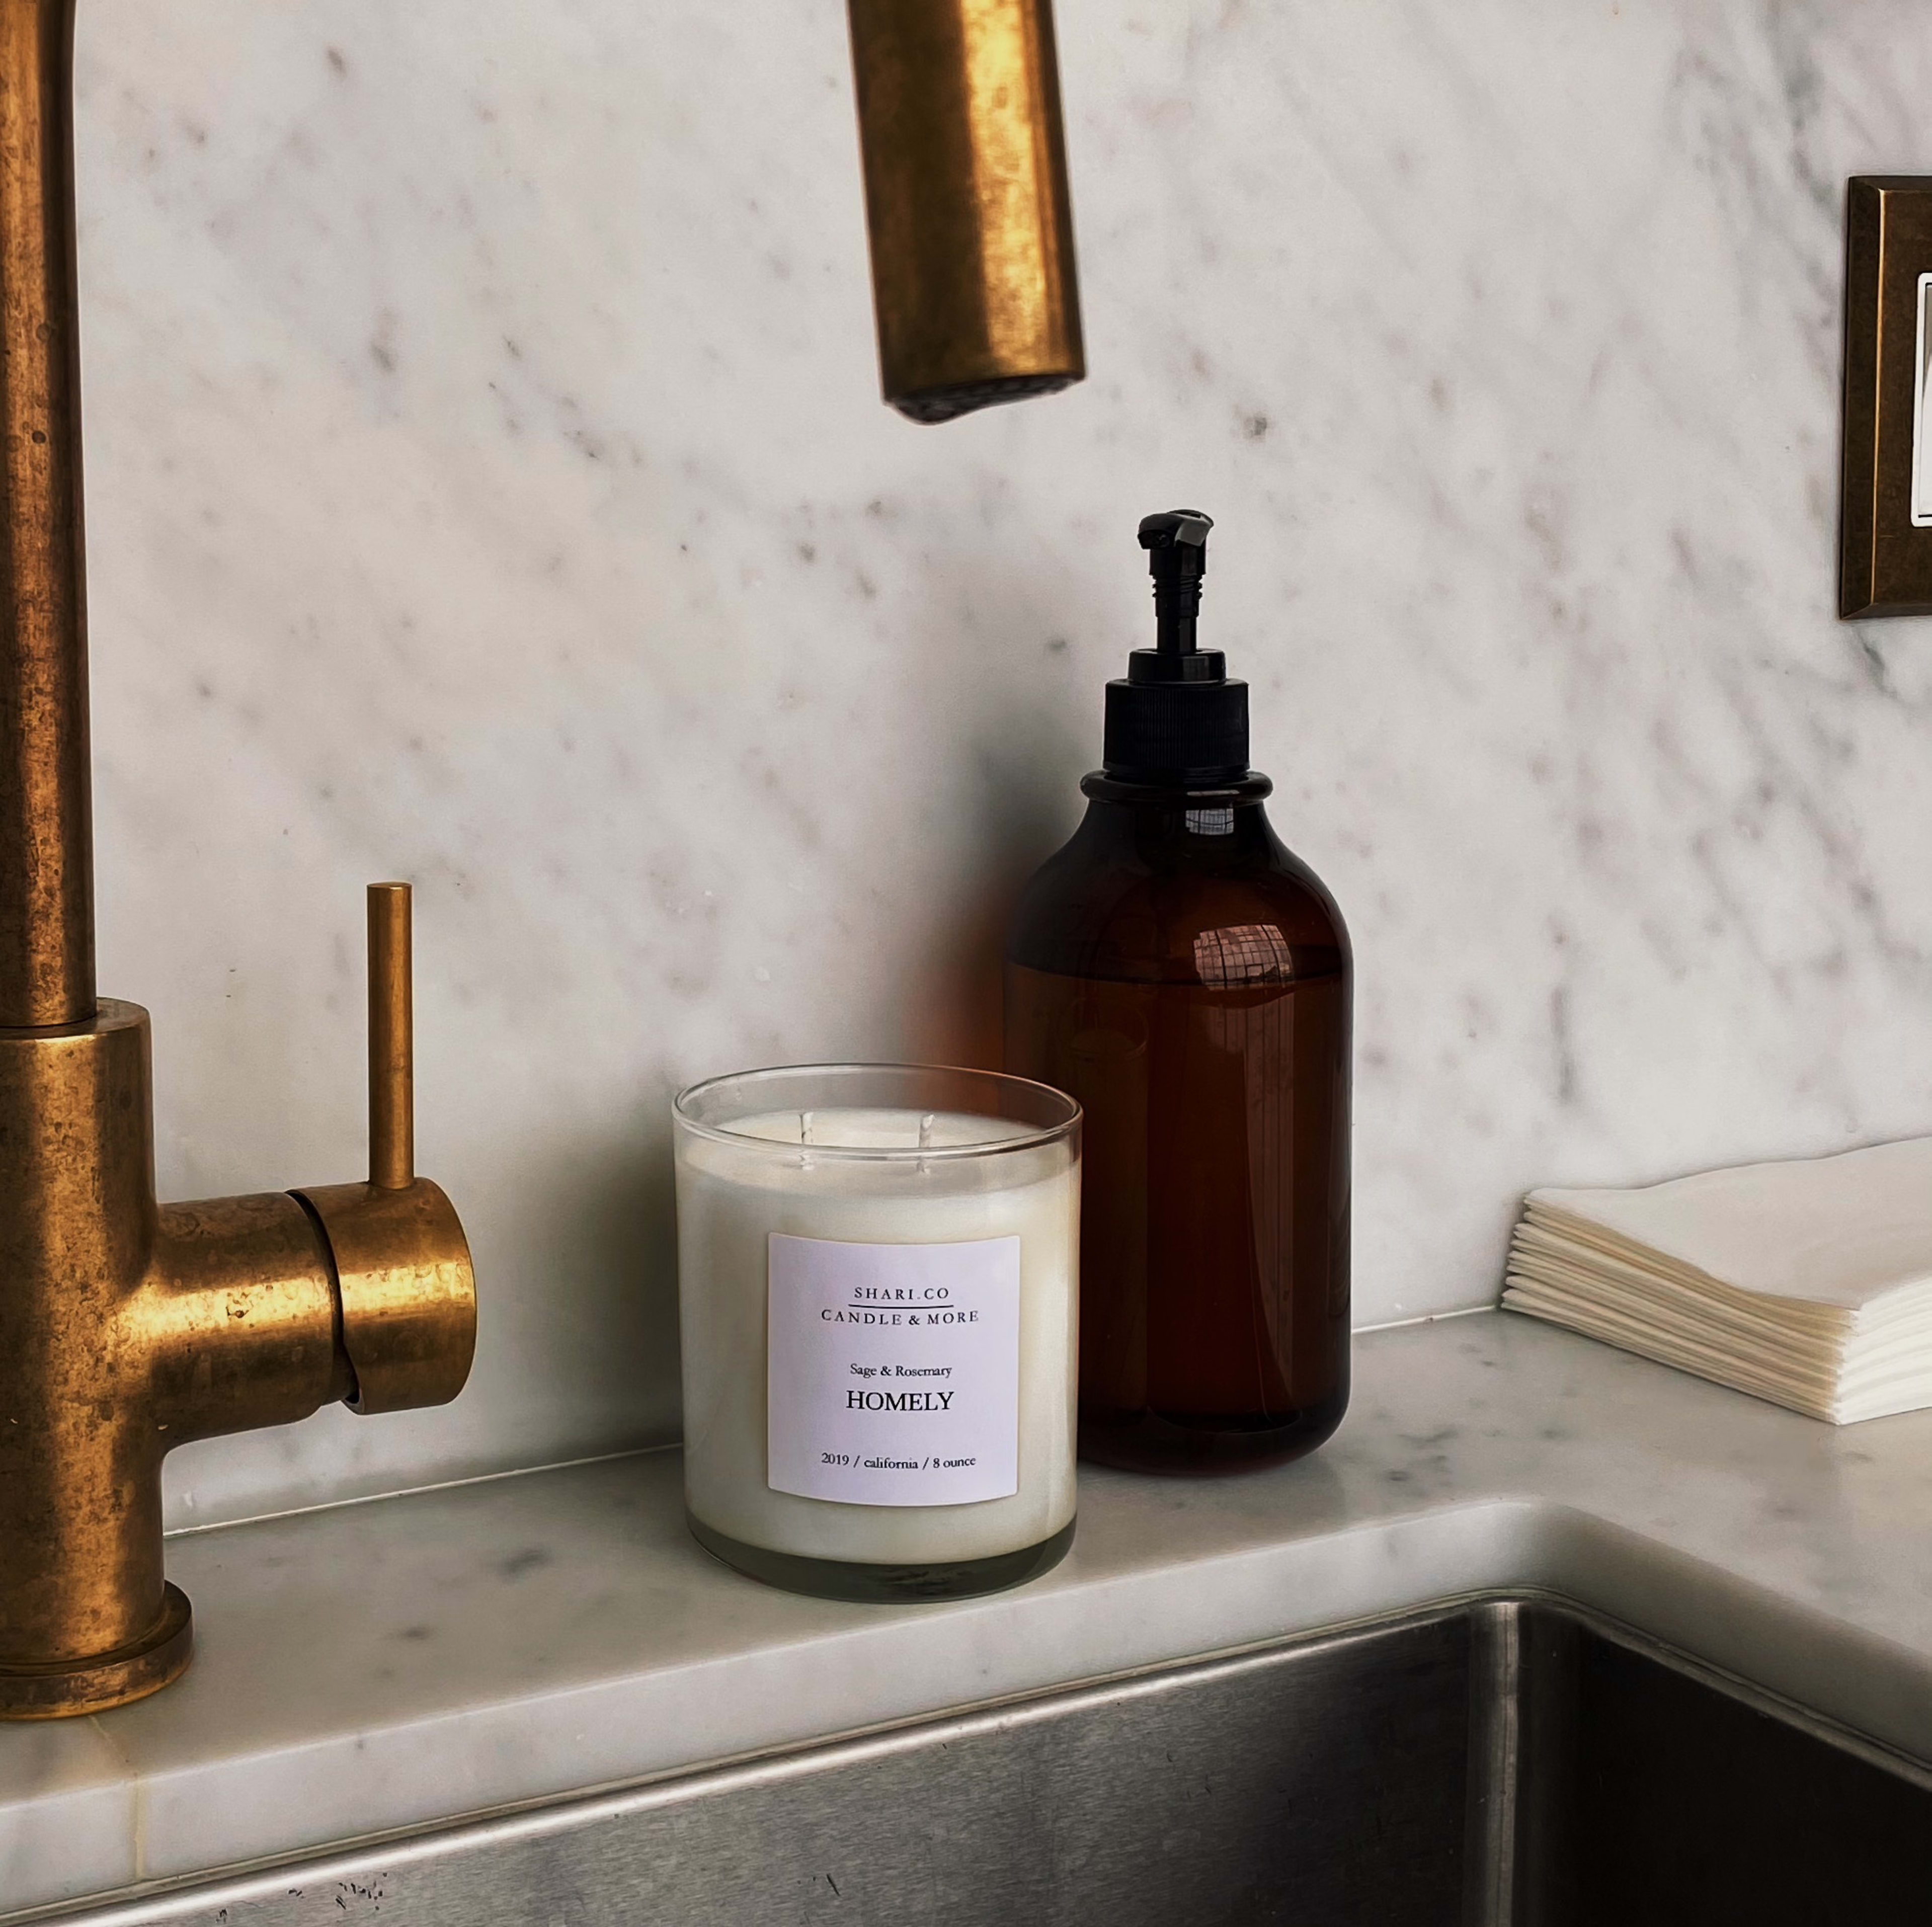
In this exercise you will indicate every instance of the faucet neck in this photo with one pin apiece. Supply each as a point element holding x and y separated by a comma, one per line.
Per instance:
<point>47,856</point>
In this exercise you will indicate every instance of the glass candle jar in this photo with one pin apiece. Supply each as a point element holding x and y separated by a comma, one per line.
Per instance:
<point>877,1268</point>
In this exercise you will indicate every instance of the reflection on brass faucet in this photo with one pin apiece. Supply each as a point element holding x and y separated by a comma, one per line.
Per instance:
<point>128,1327</point>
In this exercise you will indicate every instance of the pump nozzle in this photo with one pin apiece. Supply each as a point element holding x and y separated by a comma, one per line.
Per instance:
<point>1184,528</point>
<point>1175,716</point>
<point>1176,545</point>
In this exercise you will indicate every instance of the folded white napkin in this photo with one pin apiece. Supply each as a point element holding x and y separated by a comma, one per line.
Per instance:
<point>1808,1283</point>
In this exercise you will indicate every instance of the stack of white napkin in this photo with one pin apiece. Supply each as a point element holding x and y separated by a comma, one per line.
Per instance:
<point>1808,1283</point>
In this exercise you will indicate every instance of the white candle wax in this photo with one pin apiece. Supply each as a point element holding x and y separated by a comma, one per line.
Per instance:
<point>902,1374</point>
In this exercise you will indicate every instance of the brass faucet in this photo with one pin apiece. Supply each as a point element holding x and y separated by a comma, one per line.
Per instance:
<point>128,1327</point>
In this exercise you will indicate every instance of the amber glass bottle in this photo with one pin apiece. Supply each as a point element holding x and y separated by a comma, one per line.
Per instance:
<point>1187,978</point>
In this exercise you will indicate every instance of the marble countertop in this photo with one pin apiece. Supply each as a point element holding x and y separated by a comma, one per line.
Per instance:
<point>379,1665</point>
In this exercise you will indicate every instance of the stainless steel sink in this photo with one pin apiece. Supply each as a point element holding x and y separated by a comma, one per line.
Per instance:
<point>1490,1762</point>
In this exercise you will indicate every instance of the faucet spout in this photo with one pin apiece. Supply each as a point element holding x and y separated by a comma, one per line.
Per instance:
<point>967,202</point>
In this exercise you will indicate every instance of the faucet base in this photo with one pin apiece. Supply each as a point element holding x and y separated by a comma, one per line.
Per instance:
<point>63,1690</point>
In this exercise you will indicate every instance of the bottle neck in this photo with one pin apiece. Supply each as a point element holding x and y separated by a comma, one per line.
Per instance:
<point>1226,820</point>
<point>1251,788</point>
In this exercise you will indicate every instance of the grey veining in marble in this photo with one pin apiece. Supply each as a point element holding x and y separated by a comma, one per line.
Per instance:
<point>488,486</point>
<point>377,1666</point>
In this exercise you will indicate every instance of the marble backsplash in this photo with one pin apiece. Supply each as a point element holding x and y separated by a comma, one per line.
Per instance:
<point>488,486</point>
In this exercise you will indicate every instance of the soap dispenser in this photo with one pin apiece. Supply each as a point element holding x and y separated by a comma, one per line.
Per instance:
<point>1186,977</point>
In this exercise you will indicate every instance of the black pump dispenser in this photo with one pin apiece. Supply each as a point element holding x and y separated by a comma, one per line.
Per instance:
<point>1175,720</point>
<point>1182,973</point>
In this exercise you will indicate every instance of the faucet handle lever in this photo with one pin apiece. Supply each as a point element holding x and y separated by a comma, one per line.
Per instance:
<point>392,1124</point>
<point>404,1280</point>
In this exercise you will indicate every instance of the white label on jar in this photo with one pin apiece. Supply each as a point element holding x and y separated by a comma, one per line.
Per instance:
<point>894,1371</point>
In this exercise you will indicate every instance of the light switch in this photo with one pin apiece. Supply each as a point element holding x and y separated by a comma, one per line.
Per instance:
<point>1885,547</point>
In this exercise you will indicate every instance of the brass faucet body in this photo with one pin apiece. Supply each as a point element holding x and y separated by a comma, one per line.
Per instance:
<point>127,1326</point>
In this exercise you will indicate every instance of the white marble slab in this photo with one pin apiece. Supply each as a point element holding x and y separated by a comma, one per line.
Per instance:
<point>376,1666</point>
<point>488,485</point>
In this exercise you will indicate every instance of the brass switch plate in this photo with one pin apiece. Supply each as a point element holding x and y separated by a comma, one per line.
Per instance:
<point>1885,549</point>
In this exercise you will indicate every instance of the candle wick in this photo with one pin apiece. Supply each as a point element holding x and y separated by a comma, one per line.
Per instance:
<point>925,1124</point>
<point>805,1137</point>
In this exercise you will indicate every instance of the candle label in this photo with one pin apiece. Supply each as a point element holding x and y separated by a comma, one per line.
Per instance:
<point>893,1371</point>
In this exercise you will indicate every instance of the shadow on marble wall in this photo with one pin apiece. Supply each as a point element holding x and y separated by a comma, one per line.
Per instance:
<point>1019,766</point>
<point>619,1215</point>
